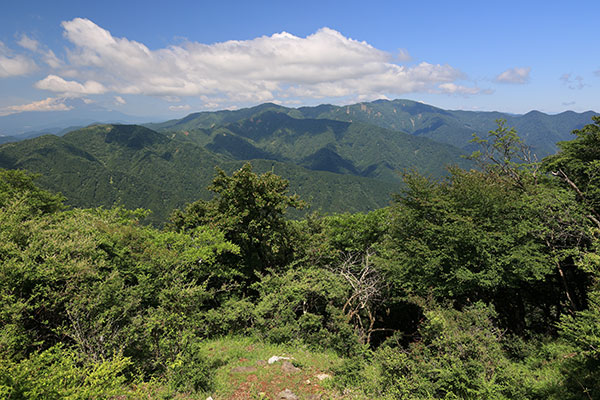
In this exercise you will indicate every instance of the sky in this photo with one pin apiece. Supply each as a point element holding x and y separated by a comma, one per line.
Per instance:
<point>164,60</point>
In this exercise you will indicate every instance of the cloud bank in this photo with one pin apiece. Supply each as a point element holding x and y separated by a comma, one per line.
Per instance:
<point>280,67</point>
<point>48,104</point>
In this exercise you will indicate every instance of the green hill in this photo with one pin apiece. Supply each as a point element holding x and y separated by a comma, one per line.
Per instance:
<point>328,145</point>
<point>134,166</point>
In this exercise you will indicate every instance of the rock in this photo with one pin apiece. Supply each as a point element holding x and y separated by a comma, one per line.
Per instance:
<point>307,381</point>
<point>287,394</point>
<point>289,367</point>
<point>243,369</point>
<point>322,377</point>
<point>209,398</point>
<point>274,359</point>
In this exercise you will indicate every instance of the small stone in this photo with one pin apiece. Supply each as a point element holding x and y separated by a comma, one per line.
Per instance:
<point>287,394</point>
<point>289,367</point>
<point>307,381</point>
<point>243,369</point>
<point>274,359</point>
<point>322,377</point>
<point>209,398</point>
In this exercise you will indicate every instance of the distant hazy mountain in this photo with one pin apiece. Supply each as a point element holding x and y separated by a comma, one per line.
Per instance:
<point>81,114</point>
<point>541,131</point>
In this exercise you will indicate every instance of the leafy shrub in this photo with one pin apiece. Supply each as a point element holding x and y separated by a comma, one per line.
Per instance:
<point>60,373</point>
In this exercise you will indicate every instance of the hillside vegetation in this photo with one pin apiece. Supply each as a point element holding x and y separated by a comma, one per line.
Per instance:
<point>133,166</point>
<point>483,285</point>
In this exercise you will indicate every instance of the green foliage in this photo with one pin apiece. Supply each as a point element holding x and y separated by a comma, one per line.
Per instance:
<point>459,356</point>
<point>465,238</point>
<point>582,330</point>
<point>107,288</point>
<point>250,210</point>
<point>578,165</point>
<point>190,371</point>
<point>18,187</point>
<point>59,373</point>
<point>95,305</point>
<point>505,154</point>
<point>480,237</point>
<point>305,304</point>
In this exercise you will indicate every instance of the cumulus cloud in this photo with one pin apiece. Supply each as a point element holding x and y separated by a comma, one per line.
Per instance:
<point>48,104</point>
<point>573,83</point>
<point>55,83</point>
<point>14,64</point>
<point>518,75</point>
<point>119,100</point>
<point>267,68</point>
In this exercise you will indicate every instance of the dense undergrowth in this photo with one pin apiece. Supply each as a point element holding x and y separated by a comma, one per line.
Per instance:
<point>483,285</point>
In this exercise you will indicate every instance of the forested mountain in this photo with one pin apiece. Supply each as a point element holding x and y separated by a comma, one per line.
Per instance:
<point>134,166</point>
<point>540,131</point>
<point>327,145</point>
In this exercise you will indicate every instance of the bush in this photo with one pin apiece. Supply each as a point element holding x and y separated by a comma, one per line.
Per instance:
<point>60,373</point>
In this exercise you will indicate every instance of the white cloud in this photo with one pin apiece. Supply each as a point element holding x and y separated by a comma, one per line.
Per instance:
<point>33,45</point>
<point>452,88</point>
<point>55,83</point>
<point>14,65</point>
<point>518,75</point>
<point>49,104</point>
<point>267,68</point>
<point>28,43</point>
<point>184,107</point>
<point>119,100</point>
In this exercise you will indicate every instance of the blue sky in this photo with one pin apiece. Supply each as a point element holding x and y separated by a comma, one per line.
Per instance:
<point>165,60</point>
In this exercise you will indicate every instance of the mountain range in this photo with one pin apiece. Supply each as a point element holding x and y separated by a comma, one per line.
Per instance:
<point>346,158</point>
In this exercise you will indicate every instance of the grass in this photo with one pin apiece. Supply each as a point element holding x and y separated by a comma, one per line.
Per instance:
<point>266,381</point>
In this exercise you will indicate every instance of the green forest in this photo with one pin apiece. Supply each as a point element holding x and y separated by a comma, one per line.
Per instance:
<point>482,284</point>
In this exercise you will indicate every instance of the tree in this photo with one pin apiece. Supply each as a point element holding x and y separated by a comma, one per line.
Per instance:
<point>250,209</point>
<point>504,153</point>
<point>577,164</point>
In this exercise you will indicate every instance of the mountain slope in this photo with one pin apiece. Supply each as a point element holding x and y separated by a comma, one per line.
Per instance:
<point>134,166</point>
<point>329,145</point>
<point>540,131</point>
